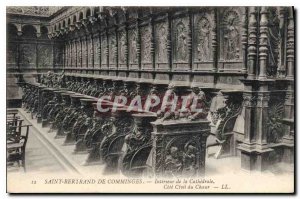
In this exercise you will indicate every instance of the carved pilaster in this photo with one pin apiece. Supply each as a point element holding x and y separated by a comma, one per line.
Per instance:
<point>138,44</point>
<point>190,40</point>
<point>290,44</point>
<point>86,51</point>
<point>252,44</point>
<point>244,38</point>
<point>263,44</point>
<point>71,53</point>
<point>80,52</point>
<point>152,46</point>
<point>169,42</point>
<point>91,52</point>
<point>282,42</point>
<point>214,42</point>
<point>261,115</point>
<point>249,105</point>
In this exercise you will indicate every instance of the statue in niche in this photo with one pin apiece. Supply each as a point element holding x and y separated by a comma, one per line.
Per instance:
<point>203,46</point>
<point>181,47</point>
<point>231,36</point>
<point>122,47</point>
<point>133,47</point>
<point>146,48</point>
<point>162,44</point>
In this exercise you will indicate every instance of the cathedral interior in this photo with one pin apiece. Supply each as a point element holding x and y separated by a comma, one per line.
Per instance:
<point>238,61</point>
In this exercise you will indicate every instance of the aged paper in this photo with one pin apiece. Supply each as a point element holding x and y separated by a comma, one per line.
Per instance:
<point>123,99</point>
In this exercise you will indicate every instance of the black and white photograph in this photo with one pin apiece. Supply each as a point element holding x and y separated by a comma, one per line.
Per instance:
<point>150,99</point>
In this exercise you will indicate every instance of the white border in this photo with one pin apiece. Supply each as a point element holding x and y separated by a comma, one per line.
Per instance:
<point>295,3</point>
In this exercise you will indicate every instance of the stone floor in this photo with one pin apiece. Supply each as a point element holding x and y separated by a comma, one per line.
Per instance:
<point>38,158</point>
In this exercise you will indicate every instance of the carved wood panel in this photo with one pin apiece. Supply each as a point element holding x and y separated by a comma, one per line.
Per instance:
<point>161,45</point>
<point>133,48</point>
<point>90,52</point>
<point>74,53</point>
<point>84,54</point>
<point>122,49</point>
<point>230,45</point>
<point>112,50</point>
<point>202,49</point>
<point>11,54</point>
<point>79,51</point>
<point>45,56</point>
<point>103,51</point>
<point>97,53</point>
<point>181,39</point>
<point>146,45</point>
<point>28,55</point>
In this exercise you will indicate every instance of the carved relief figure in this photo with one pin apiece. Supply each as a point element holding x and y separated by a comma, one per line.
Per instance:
<point>162,42</point>
<point>27,55</point>
<point>204,39</point>
<point>44,56</point>
<point>103,49</point>
<point>96,52</point>
<point>122,47</point>
<point>231,36</point>
<point>113,49</point>
<point>181,42</point>
<point>133,47</point>
<point>173,164</point>
<point>189,160</point>
<point>146,45</point>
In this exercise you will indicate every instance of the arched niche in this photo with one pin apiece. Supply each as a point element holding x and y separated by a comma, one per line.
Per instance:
<point>29,31</point>
<point>11,31</point>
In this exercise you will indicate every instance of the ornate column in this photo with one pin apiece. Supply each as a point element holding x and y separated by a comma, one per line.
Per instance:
<point>244,38</point>
<point>252,44</point>
<point>214,42</point>
<point>290,45</point>
<point>80,52</point>
<point>281,70</point>
<point>255,149</point>
<point>169,42</point>
<point>91,48</point>
<point>263,44</point>
<point>86,51</point>
<point>71,53</point>
<point>288,138</point>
